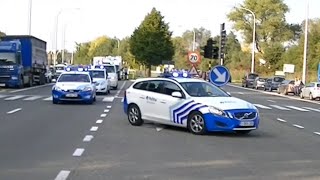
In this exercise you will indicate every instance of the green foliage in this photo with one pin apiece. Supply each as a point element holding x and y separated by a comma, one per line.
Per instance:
<point>273,54</point>
<point>151,41</point>
<point>2,34</point>
<point>82,53</point>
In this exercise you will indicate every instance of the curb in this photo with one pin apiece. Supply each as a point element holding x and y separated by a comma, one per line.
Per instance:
<point>274,94</point>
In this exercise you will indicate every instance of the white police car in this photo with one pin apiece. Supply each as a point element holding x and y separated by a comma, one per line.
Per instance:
<point>186,102</point>
<point>100,77</point>
<point>75,84</point>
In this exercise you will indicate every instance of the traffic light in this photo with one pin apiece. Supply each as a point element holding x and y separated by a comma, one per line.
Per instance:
<point>211,51</point>
<point>223,40</point>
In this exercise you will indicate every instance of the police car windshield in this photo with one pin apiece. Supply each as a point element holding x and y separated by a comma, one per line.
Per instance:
<point>74,78</point>
<point>110,69</point>
<point>97,74</point>
<point>203,89</point>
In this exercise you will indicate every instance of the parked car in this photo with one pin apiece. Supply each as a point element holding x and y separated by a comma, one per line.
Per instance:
<point>273,83</point>
<point>248,79</point>
<point>311,90</point>
<point>259,82</point>
<point>286,87</point>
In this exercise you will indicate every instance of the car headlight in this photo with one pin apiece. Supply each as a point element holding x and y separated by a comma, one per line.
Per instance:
<point>57,88</point>
<point>217,111</point>
<point>87,89</point>
<point>14,77</point>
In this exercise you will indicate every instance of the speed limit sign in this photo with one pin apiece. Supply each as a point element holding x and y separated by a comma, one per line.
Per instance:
<point>194,57</point>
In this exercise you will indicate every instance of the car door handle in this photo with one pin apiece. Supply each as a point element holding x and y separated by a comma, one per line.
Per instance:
<point>163,102</point>
<point>142,97</point>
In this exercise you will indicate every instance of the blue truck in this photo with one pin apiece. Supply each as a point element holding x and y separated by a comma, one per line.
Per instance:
<point>23,61</point>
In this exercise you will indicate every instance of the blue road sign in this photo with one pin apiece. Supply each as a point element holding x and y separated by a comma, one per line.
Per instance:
<point>219,75</point>
<point>319,72</point>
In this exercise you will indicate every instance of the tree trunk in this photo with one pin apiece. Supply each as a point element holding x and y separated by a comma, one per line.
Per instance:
<point>149,70</point>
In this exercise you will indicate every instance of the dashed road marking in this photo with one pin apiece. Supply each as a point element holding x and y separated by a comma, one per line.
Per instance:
<point>87,138</point>
<point>297,108</point>
<point>14,97</point>
<point>106,110</point>
<point>262,106</point>
<point>298,126</point>
<point>271,101</point>
<point>94,128</point>
<point>108,107</point>
<point>103,115</point>
<point>281,120</point>
<point>13,111</point>
<point>2,96</point>
<point>48,98</point>
<point>78,152</point>
<point>99,121</point>
<point>317,133</point>
<point>279,107</point>
<point>108,99</point>
<point>32,98</point>
<point>63,175</point>
<point>312,109</point>
<point>241,93</point>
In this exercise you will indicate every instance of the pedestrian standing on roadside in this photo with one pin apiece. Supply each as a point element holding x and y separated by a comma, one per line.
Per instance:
<point>296,86</point>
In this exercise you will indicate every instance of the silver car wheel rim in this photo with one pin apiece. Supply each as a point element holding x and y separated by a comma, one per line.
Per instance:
<point>197,123</point>
<point>133,115</point>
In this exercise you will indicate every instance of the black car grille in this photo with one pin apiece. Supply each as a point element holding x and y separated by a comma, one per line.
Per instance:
<point>4,79</point>
<point>73,90</point>
<point>245,115</point>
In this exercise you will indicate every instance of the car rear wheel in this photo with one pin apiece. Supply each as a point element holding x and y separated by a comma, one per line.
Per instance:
<point>134,115</point>
<point>311,97</point>
<point>196,123</point>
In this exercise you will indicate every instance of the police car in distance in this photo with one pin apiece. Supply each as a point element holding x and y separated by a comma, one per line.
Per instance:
<point>191,103</point>
<point>100,77</point>
<point>75,84</point>
<point>112,74</point>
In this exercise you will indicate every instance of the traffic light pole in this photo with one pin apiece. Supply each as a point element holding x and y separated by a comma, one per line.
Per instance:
<point>221,58</point>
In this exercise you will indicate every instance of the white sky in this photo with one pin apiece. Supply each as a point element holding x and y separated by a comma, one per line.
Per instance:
<point>120,17</point>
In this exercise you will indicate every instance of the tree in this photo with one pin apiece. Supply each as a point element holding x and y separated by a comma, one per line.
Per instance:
<point>202,35</point>
<point>2,34</point>
<point>151,41</point>
<point>81,56</point>
<point>271,24</point>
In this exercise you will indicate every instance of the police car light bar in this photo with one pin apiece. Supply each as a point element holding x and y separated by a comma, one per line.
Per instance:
<point>180,74</point>
<point>76,68</point>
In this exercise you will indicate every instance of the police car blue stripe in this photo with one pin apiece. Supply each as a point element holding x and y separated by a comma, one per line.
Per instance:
<point>187,110</point>
<point>186,116</point>
<point>177,108</point>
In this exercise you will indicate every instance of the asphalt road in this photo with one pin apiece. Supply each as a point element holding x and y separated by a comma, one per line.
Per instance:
<point>41,145</point>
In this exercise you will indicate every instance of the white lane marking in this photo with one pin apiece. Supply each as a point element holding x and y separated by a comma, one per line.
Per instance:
<point>271,101</point>
<point>63,175</point>
<point>262,106</point>
<point>312,109</point>
<point>29,88</point>
<point>103,115</point>
<point>317,133</point>
<point>108,107</point>
<point>14,97</point>
<point>108,99</point>
<point>297,108</point>
<point>2,96</point>
<point>281,120</point>
<point>279,107</point>
<point>122,86</point>
<point>99,121</point>
<point>87,138</point>
<point>240,93</point>
<point>122,99</point>
<point>78,152</point>
<point>32,98</point>
<point>106,110</point>
<point>94,128</point>
<point>48,98</point>
<point>13,111</point>
<point>298,126</point>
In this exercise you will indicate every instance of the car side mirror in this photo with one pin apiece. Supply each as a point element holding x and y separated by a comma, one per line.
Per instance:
<point>176,94</point>
<point>93,82</point>
<point>53,80</point>
<point>229,93</point>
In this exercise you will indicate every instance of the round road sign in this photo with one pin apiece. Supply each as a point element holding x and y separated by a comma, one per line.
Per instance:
<point>194,57</point>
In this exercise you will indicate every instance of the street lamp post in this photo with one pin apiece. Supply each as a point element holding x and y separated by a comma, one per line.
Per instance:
<point>29,17</point>
<point>194,40</point>
<point>304,69</point>
<point>253,37</point>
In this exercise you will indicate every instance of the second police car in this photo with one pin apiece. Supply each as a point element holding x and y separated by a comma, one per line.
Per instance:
<point>101,79</point>
<point>74,84</point>
<point>191,103</point>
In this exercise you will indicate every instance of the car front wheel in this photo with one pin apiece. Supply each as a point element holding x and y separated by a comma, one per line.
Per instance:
<point>134,115</point>
<point>196,123</point>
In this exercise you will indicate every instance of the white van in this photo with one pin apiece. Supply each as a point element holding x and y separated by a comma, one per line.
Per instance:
<point>112,75</point>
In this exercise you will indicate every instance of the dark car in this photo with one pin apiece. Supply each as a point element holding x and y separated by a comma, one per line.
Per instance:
<point>286,87</point>
<point>273,83</point>
<point>248,80</point>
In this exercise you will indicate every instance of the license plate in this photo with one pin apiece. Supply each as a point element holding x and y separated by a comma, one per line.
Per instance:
<point>2,85</point>
<point>247,123</point>
<point>72,95</point>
